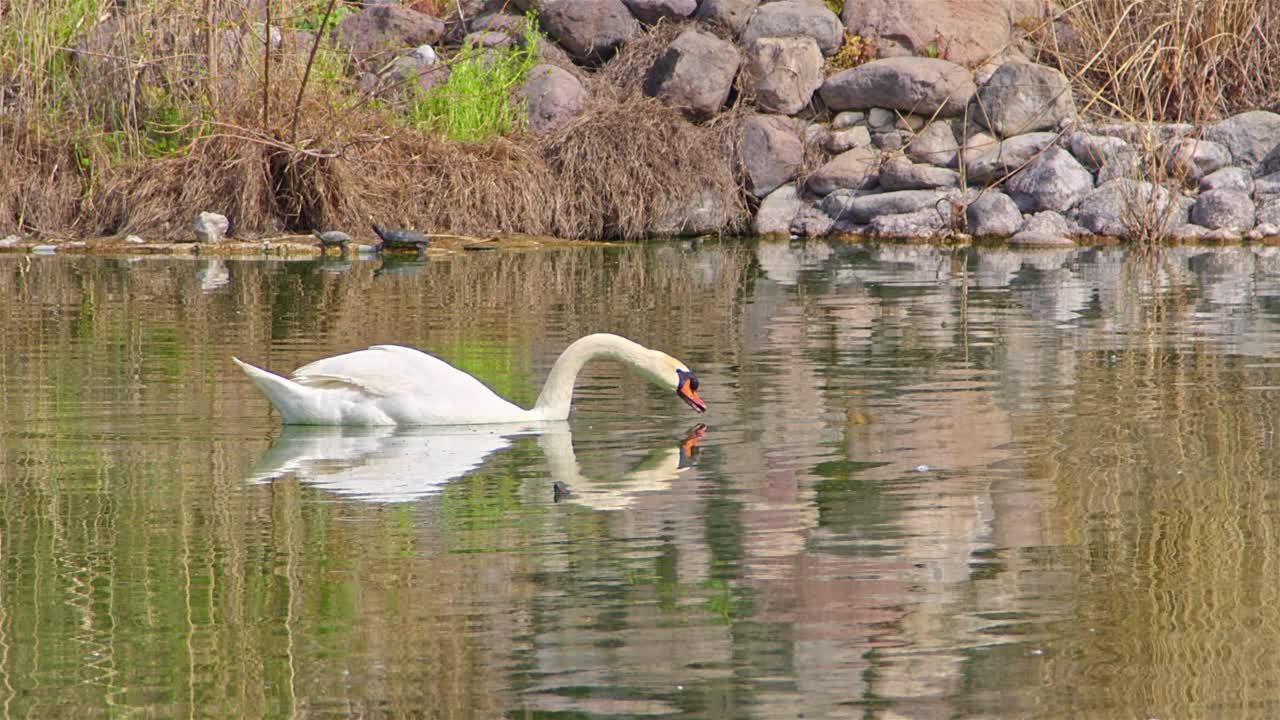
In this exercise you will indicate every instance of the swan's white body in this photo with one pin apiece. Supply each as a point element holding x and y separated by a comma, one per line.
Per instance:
<point>394,385</point>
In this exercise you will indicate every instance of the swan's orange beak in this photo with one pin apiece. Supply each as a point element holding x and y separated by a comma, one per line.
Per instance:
<point>688,394</point>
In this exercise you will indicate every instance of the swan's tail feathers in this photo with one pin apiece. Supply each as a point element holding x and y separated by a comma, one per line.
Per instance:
<point>288,397</point>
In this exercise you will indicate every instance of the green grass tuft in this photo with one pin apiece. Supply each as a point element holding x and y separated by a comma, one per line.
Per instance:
<point>476,103</point>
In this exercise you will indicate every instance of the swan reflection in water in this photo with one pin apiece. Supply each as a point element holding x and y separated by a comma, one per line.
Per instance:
<point>393,465</point>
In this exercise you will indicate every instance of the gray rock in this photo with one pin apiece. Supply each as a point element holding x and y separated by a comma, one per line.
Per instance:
<point>651,11</point>
<point>554,97</point>
<point>847,139</point>
<point>1270,163</point>
<point>900,173</point>
<point>1021,98</point>
<point>1040,238</point>
<point>776,211</point>
<point>386,29</point>
<point>1046,229</point>
<point>783,72</point>
<point>862,209</point>
<point>1193,159</point>
<point>853,169</point>
<point>700,213</point>
<point>1267,185</point>
<point>1224,209</point>
<point>816,135</point>
<point>1186,233</point>
<point>993,213</point>
<point>695,73</point>
<point>907,84</point>
<point>1268,212</point>
<point>935,144</point>
<point>918,225</point>
<point>408,75</point>
<point>848,119</point>
<point>1006,157</point>
<point>879,118</point>
<point>1054,180</point>
<point>489,39</point>
<point>210,227</point>
<point>888,141</point>
<point>771,153</point>
<point>1228,178</point>
<point>965,31</point>
<point>796,18</point>
<point>811,222</point>
<point>731,15</point>
<point>1095,151</point>
<point>1249,136</point>
<point>1117,207</point>
<point>590,30</point>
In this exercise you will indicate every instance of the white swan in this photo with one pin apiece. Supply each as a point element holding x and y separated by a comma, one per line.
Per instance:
<point>394,385</point>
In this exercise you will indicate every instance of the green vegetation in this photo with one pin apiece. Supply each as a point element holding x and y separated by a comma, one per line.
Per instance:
<point>476,103</point>
<point>310,18</point>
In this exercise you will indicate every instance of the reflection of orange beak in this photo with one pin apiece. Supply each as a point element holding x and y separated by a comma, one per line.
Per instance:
<point>689,395</point>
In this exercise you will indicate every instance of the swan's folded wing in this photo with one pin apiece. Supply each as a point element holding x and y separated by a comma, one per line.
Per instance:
<point>395,372</point>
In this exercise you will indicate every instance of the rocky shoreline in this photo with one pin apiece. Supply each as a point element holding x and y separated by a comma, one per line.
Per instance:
<point>916,120</point>
<point>912,147</point>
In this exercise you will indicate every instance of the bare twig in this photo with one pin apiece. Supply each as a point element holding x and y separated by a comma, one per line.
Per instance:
<point>315,44</point>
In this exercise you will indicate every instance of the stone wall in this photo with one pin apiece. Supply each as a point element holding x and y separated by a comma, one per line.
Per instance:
<point>950,130</point>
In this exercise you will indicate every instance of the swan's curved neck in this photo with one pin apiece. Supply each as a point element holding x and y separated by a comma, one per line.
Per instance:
<point>557,394</point>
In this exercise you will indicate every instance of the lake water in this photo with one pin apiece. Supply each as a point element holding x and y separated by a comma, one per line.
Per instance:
<point>932,484</point>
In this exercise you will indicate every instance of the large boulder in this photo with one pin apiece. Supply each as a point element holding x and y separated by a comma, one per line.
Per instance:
<point>1224,209</point>
<point>387,29</point>
<point>1250,136</point>
<point>1117,207</point>
<point>651,11</point>
<point>1193,159</point>
<point>1054,180</point>
<point>853,169</point>
<point>963,31</point>
<point>695,73</point>
<point>989,163</point>
<point>1097,151</point>
<point>907,84</point>
<point>1228,178</point>
<point>935,144</point>
<point>732,15</point>
<point>776,212</point>
<point>783,73</point>
<point>993,213</point>
<point>1021,98</point>
<point>553,96</point>
<point>861,209</point>
<point>796,18</point>
<point>899,173</point>
<point>590,30</point>
<point>919,224</point>
<point>772,153</point>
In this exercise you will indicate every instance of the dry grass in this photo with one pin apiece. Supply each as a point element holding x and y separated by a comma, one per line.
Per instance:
<point>1168,60</point>
<point>174,111</point>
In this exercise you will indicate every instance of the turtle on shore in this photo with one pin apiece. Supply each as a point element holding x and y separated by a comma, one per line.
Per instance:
<point>399,238</point>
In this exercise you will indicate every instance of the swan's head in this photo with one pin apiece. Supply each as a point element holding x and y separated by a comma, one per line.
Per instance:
<point>671,373</point>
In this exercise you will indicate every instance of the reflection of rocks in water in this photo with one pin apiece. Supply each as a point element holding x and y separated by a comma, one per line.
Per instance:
<point>212,274</point>
<point>996,267</point>
<point>910,265</point>
<point>782,262</point>
<point>1225,275</point>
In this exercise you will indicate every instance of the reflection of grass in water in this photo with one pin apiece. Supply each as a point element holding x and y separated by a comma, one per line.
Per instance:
<point>1165,466</point>
<point>493,364</point>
